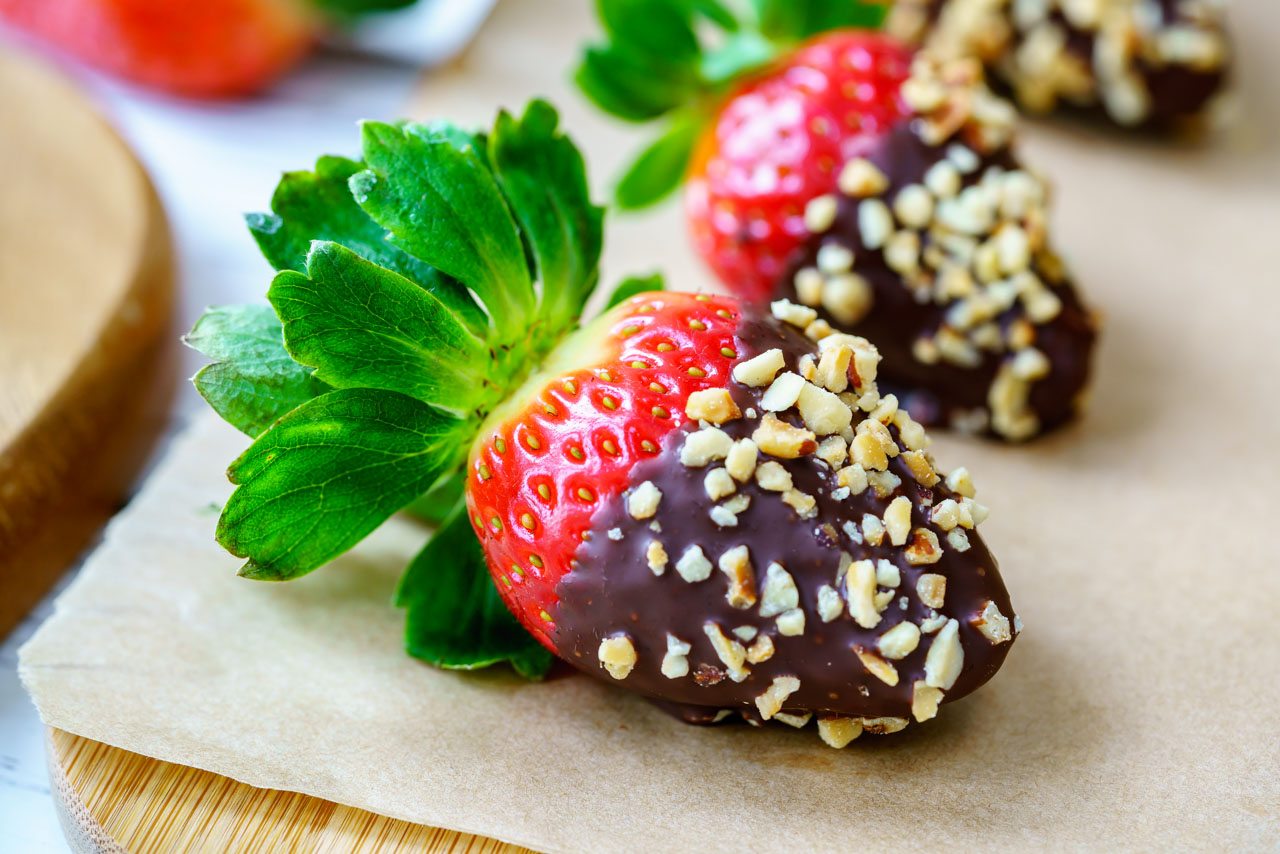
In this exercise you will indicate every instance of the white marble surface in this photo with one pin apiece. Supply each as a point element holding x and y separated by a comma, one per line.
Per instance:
<point>210,164</point>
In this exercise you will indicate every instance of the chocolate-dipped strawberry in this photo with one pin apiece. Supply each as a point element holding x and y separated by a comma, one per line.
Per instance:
<point>1154,64</point>
<point>883,190</point>
<point>712,506</point>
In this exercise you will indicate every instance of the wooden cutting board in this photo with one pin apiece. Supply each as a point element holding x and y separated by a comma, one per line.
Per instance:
<point>86,290</point>
<point>110,801</point>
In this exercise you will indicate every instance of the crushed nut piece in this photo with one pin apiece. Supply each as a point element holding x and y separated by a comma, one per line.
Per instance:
<point>643,501</point>
<point>900,641</point>
<point>877,666</point>
<point>883,726</point>
<point>740,462</point>
<point>820,214</point>
<point>960,482</point>
<point>731,653</point>
<point>945,659</point>
<point>705,446</point>
<point>736,563</point>
<point>853,477</point>
<point>924,701</point>
<point>797,721</point>
<point>789,312</point>
<point>675,663</point>
<point>779,439</point>
<point>779,592</point>
<point>791,623</point>
<point>861,178</point>
<point>833,451</point>
<point>773,477</point>
<point>761,650</point>
<point>656,555</point>
<point>993,625</point>
<point>617,655</point>
<point>718,484</point>
<point>760,370</point>
<point>770,702</point>
<point>713,405</point>
<point>829,603</point>
<point>932,589</point>
<point>958,540</point>
<point>838,732</point>
<point>897,520</point>
<point>924,548</point>
<point>822,411</point>
<point>783,393</point>
<point>860,590</point>
<point>693,565</point>
<point>805,505</point>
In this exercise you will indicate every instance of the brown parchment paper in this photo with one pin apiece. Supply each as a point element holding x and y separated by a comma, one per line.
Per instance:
<point>1140,709</point>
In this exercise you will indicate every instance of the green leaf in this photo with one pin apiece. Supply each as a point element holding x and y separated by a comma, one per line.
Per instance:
<point>456,618</point>
<point>718,14</point>
<point>629,287</point>
<point>634,87</point>
<point>543,177</point>
<point>784,20</point>
<point>443,206</point>
<point>439,501</point>
<point>661,167</point>
<point>659,28</point>
<point>361,325</point>
<point>345,8</point>
<point>740,54</point>
<point>309,206</point>
<point>330,472</point>
<point>252,382</point>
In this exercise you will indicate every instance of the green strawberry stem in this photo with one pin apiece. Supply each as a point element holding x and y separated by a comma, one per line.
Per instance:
<point>676,60</point>
<point>417,287</point>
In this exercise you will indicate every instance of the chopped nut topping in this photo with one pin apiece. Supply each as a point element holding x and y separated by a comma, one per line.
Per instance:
<point>833,451</point>
<point>643,501</point>
<point>834,258</point>
<point>791,623</point>
<point>861,178</point>
<point>820,214</point>
<point>789,312</point>
<point>920,467</point>
<point>958,540</point>
<point>946,514</point>
<point>770,702</point>
<point>914,206</point>
<point>854,478</point>
<point>738,503</point>
<point>932,589</point>
<point>887,575</point>
<point>736,563</point>
<point>993,625</point>
<point>945,659</point>
<point>809,282</point>
<point>675,664</point>
<point>822,411</point>
<point>838,732</point>
<point>829,603</point>
<point>900,641</point>
<point>883,726</point>
<point>723,516</point>
<point>617,655</point>
<point>833,367</point>
<point>797,721</point>
<point>877,666</point>
<point>897,520</point>
<point>656,555</point>
<point>713,405</point>
<point>760,370</point>
<point>924,548</point>
<point>718,484</point>
<point>740,462</point>
<point>805,505</point>
<point>731,653</point>
<point>783,393</point>
<point>761,650</point>
<point>872,529</point>
<point>745,633</point>
<point>773,477</point>
<point>705,446</point>
<point>848,296</point>
<point>924,701</point>
<point>961,483</point>
<point>693,565</point>
<point>779,593</point>
<point>779,439</point>
<point>860,590</point>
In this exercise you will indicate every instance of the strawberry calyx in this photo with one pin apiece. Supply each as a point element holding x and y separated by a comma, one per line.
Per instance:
<point>679,61</point>
<point>418,288</point>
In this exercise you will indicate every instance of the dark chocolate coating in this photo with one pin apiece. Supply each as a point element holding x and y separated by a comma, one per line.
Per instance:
<point>933,393</point>
<point>1179,94</point>
<point>611,589</point>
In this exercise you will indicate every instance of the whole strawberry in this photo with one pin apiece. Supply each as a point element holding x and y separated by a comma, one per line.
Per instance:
<point>211,48</point>
<point>713,506</point>
<point>876,187</point>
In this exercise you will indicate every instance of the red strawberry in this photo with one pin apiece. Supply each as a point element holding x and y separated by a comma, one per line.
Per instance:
<point>211,48</point>
<point>883,191</point>
<point>710,506</point>
<point>779,142</point>
<point>645,517</point>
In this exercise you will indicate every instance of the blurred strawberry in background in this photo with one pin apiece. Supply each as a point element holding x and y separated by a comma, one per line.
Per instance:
<point>201,49</point>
